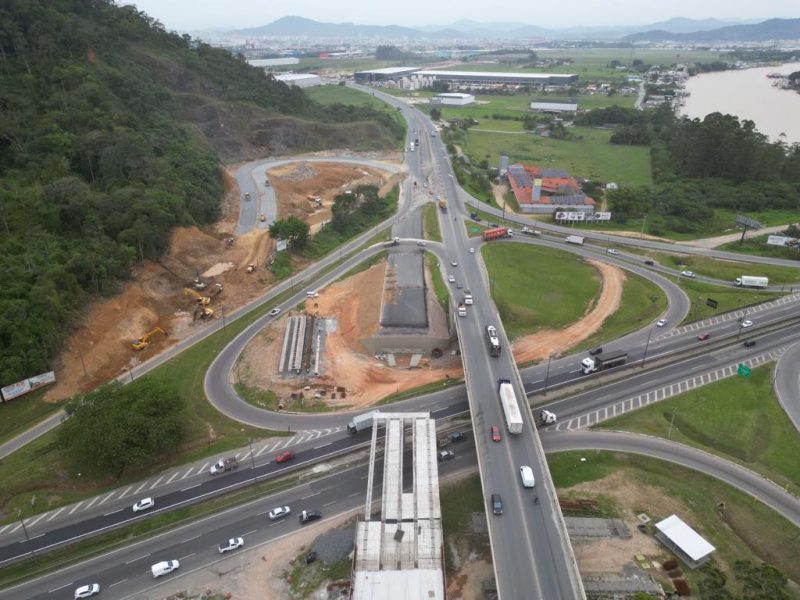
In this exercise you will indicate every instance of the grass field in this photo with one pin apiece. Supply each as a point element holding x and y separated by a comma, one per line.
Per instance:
<point>430,223</point>
<point>726,270</point>
<point>728,298</point>
<point>758,245</point>
<point>458,501</point>
<point>439,286</point>
<point>20,414</point>
<point>552,290</point>
<point>591,156</point>
<point>737,418</point>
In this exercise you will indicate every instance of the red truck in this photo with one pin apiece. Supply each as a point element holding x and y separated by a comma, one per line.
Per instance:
<point>493,234</point>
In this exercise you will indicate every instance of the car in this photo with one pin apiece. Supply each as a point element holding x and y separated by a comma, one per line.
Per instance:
<point>457,436</point>
<point>453,263</point>
<point>451,279</point>
<point>231,544</point>
<point>86,591</point>
<point>262,217</point>
<point>747,323</point>
<point>495,430</point>
<point>444,455</point>
<point>526,474</point>
<point>661,322</point>
<point>472,250</point>
<point>493,225</point>
<point>649,263</point>
<point>143,504</point>
<point>704,336</point>
<point>274,312</point>
<point>306,516</point>
<point>247,196</point>
<point>749,343</point>
<point>310,557</point>
<point>612,251</point>
<point>279,513</point>
<point>284,456</point>
<point>424,185</point>
<point>421,243</point>
<point>459,285</point>
<point>688,274</point>
<point>596,351</point>
<point>497,504</point>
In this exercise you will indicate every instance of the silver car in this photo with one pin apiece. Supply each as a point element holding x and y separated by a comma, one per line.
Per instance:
<point>279,513</point>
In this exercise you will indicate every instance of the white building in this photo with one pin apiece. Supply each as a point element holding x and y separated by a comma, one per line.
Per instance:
<point>300,79</point>
<point>684,541</point>
<point>273,62</point>
<point>554,107</point>
<point>453,99</point>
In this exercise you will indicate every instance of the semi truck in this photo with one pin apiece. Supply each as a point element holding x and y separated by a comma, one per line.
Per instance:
<point>544,418</point>
<point>493,340</point>
<point>508,399</point>
<point>574,239</point>
<point>750,281</point>
<point>530,231</point>
<point>468,298</point>
<point>601,362</point>
<point>495,233</point>
<point>362,422</point>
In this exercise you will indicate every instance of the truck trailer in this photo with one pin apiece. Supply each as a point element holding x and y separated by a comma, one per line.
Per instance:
<point>508,399</point>
<point>495,233</point>
<point>750,281</point>
<point>362,422</point>
<point>574,239</point>
<point>601,362</point>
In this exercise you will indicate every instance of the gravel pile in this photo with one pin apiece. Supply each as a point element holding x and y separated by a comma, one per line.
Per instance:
<point>336,544</point>
<point>300,173</point>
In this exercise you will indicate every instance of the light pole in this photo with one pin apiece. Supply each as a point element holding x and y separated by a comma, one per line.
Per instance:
<point>646,346</point>
<point>547,373</point>
<point>130,372</point>
<point>252,457</point>
<point>25,529</point>
<point>671,421</point>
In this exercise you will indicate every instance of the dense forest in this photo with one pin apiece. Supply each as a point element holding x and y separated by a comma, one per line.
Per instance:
<point>111,133</point>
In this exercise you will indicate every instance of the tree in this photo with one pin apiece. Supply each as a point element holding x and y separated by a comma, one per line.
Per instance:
<point>115,427</point>
<point>436,114</point>
<point>292,229</point>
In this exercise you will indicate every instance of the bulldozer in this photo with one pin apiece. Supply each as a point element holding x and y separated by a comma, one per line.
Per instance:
<point>202,312</point>
<point>144,341</point>
<point>215,290</point>
<point>199,298</point>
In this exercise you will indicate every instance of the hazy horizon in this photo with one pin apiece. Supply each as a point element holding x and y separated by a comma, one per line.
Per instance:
<point>187,15</point>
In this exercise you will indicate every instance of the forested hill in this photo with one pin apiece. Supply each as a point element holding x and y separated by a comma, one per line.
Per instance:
<point>111,133</point>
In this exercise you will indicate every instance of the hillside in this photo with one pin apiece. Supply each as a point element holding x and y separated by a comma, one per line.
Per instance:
<point>774,29</point>
<point>111,133</point>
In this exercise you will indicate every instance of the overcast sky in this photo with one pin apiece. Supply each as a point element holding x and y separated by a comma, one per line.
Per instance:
<point>187,15</point>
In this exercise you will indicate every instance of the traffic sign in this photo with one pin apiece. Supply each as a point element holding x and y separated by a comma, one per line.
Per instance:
<point>711,302</point>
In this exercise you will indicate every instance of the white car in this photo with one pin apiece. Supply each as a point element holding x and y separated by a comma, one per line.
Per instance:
<point>747,323</point>
<point>279,513</point>
<point>451,279</point>
<point>472,250</point>
<point>688,274</point>
<point>85,591</point>
<point>143,504</point>
<point>453,263</point>
<point>526,474</point>
<point>661,322</point>
<point>421,243</point>
<point>231,544</point>
<point>274,312</point>
<point>612,251</point>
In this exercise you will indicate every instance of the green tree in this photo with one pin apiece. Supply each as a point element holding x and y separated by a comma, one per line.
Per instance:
<point>115,427</point>
<point>292,229</point>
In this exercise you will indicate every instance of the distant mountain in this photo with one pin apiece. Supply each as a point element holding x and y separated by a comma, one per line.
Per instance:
<point>300,26</point>
<point>774,29</point>
<point>684,25</point>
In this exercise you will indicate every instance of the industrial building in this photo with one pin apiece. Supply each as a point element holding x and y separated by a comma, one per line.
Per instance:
<point>685,542</point>
<point>398,552</point>
<point>554,107</point>
<point>453,99</point>
<point>483,78</point>
<point>266,63</point>
<point>386,74</point>
<point>300,79</point>
<point>538,190</point>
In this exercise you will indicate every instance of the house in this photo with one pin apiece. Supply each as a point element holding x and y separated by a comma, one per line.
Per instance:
<point>539,190</point>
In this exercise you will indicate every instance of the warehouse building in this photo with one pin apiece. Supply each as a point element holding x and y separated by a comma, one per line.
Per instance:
<point>453,99</point>
<point>387,74</point>
<point>484,78</point>
<point>266,63</point>
<point>684,541</point>
<point>302,80</point>
<point>554,107</point>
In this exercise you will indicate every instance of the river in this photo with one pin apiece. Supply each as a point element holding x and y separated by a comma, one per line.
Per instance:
<point>748,94</point>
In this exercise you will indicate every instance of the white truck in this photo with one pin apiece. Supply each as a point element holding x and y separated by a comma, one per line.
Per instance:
<point>750,281</point>
<point>601,362</point>
<point>530,231</point>
<point>223,464</point>
<point>411,146</point>
<point>468,298</point>
<point>362,422</point>
<point>574,239</point>
<point>545,417</point>
<point>462,310</point>
<point>508,399</point>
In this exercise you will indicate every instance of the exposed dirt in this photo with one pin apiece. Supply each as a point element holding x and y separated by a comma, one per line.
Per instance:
<point>355,304</point>
<point>554,342</point>
<point>467,584</point>
<point>100,347</point>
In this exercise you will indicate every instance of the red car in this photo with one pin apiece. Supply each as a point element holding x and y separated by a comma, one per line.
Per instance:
<point>284,456</point>
<point>703,336</point>
<point>495,433</point>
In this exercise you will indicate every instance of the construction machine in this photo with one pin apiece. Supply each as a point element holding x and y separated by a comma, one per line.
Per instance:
<point>215,290</point>
<point>199,298</point>
<point>250,268</point>
<point>199,284</point>
<point>202,312</point>
<point>144,341</point>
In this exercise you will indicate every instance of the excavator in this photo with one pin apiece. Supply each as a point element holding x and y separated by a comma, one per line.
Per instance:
<point>199,298</point>
<point>144,341</point>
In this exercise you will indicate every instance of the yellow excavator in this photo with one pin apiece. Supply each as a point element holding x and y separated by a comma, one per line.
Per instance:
<point>199,298</point>
<point>144,341</point>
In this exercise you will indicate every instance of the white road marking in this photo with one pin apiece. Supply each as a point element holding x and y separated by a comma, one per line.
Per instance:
<point>76,507</point>
<point>187,556</point>
<point>329,503</point>
<point>323,446</point>
<point>138,558</point>
<point>171,478</point>
<point>310,496</point>
<point>95,499</point>
<point>157,482</point>
<point>125,493</point>
<point>36,520</point>
<point>107,498</point>
<point>140,487</point>
<point>190,539</point>
<point>117,583</point>
<point>113,512</point>
<point>53,516</point>
<point>60,588</point>
<point>185,475</point>
<point>191,487</point>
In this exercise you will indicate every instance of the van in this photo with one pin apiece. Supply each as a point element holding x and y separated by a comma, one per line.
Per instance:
<point>312,294</point>
<point>164,567</point>
<point>526,474</point>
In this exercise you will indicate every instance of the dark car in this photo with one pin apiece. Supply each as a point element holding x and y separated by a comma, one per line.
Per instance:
<point>312,556</point>
<point>494,225</point>
<point>704,336</point>
<point>457,436</point>
<point>749,343</point>
<point>306,516</point>
<point>596,351</point>
<point>649,263</point>
<point>497,504</point>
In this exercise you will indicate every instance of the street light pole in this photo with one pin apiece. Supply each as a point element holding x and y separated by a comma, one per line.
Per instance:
<point>130,372</point>
<point>25,529</point>
<point>547,373</point>
<point>646,346</point>
<point>252,458</point>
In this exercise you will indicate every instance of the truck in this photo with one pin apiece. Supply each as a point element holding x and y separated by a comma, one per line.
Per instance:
<point>601,362</point>
<point>574,239</point>
<point>508,400</point>
<point>442,204</point>
<point>750,281</point>
<point>411,147</point>
<point>223,464</point>
<point>544,418</point>
<point>493,340</point>
<point>462,310</point>
<point>468,298</point>
<point>530,231</point>
<point>495,233</point>
<point>362,422</point>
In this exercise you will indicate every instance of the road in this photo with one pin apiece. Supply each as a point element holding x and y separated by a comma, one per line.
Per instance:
<point>787,384</point>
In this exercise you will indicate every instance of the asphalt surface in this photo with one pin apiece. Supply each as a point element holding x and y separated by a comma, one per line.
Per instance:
<point>787,384</point>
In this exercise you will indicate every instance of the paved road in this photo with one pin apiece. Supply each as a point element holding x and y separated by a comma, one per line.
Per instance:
<point>787,384</point>
<point>713,242</point>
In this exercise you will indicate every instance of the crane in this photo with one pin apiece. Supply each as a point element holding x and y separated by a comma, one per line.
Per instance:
<point>144,341</point>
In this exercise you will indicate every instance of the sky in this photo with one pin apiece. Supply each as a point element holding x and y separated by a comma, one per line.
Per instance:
<point>192,15</point>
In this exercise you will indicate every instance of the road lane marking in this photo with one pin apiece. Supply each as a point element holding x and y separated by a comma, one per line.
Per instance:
<point>117,583</point>
<point>107,498</point>
<point>139,558</point>
<point>191,538</point>
<point>53,516</point>
<point>250,532</point>
<point>140,487</point>
<point>323,446</point>
<point>76,507</point>
<point>187,556</point>
<point>310,496</point>
<point>329,503</point>
<point>125,493</point>
<point>95,499</point>
<point>355,494</point>
<point>60,588</point>
<point>191,487</point>
<point>157,482</point>
<point>113,512</point>
<point>36,520</point>
<point>171,478</point>
<point>185,475</point>
<point>264,447</point>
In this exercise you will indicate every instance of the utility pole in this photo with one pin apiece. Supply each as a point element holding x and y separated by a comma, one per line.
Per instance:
<point>547,373</point>
<point>644,222</point>
<point>671,421</point>
<point>25,529</point>
<point>130,372</point>
<point>646,346</point>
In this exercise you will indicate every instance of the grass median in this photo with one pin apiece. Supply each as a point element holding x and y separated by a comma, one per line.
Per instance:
<point>727,298</point>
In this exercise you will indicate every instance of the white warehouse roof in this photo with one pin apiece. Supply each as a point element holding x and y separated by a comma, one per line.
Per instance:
<point>454,95</point>
<point>685,538</point>
<point>472,74</point>
<point>391,70</point>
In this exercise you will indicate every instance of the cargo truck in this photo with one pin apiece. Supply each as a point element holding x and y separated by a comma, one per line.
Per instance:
<point>362,422</point>
<point>443,204</point>
<point>493,340</point>
<point>601,362</point>
<point>468,298</point>
<point>495,233</point>
<point>508,399</point>
<point>223,464</point>
<point>529,231</point>
<point>544,418</point>
<point>750,281</point>
<point>574,239</point>
<point>462,310</point>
